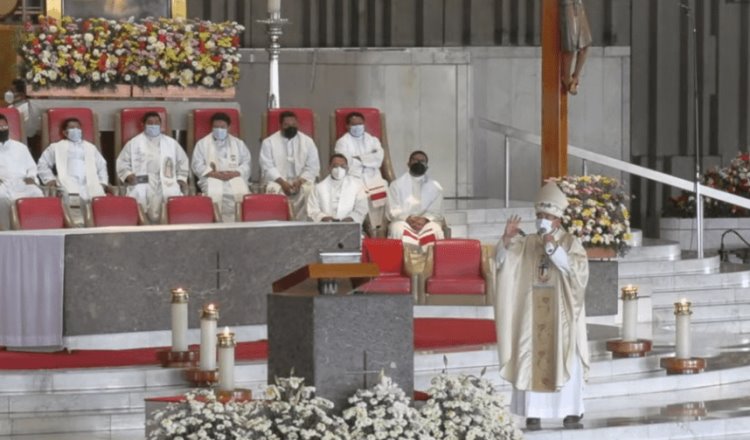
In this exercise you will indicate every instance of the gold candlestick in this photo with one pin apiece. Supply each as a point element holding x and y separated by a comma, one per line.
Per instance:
<point>683,362</point>
<point>179,356</point>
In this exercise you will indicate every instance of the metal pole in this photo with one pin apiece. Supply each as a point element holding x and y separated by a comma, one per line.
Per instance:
<point>274,25</point>
<point>507,171</point>
<point>585,167</point>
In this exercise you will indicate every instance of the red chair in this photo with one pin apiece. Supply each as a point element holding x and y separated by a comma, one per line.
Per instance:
<point>115,211</point>
<point>199,125</point>
<point>190,209</point>
<point>39,213</point>
<point>305,120</point>
<point>15,124</point>
<point>457,272</point>
<point>53,119</point>
<point>374,124</point>
<point>263,207</point>
<point>388,254</point>
<point>129,123</point>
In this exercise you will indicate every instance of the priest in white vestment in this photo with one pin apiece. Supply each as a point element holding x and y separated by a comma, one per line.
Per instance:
<point>339,197</point>
<point>365,156</point>
<point>17,173</point>
<point>290,164</point>
<point>415,205</point>
<point>222,164</point>
<point>81,169</point>
<point>154,167</point>
<point>541,316</point>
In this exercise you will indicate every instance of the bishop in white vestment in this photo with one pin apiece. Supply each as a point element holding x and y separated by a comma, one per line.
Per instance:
<point>339,197</point>
<point>289,162</point>
<point>222,164</point>
<point>154,166</point>
<point>81,169</point>
<point>415,205</point>
<point>17,173</point>
<point>365,156</point>
<point>541,316</point>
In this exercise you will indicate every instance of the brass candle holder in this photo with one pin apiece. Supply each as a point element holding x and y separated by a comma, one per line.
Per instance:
<point>177,359</point>
<point>633,347</point>
<point>683,364</point>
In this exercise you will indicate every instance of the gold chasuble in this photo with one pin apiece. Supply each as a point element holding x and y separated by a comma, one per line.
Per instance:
<point>540,313</point>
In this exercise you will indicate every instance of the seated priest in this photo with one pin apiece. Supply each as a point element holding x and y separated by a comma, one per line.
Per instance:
<point>75,167</point>
<point>415,205</point>
<point>289,163</point>
<point>365,156</point>
<point>222,164</point>
<point>339,197</point>
<point>17,173</point>
<point>153,166</point>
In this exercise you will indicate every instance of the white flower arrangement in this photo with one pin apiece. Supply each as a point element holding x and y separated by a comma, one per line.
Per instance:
<point>467,408</point>
<point>202,416</point>
<point>383,412</point>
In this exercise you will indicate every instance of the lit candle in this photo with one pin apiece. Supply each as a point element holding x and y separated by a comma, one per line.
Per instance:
<point>682,314</point>
<point>209,317</point>
<point>274,6</point>
<point>629,313</point>
<point>226,360</point>
<point>179,319</point>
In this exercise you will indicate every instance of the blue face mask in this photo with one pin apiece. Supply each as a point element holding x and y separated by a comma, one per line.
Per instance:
<point>75,135</point>
<point>357,130</point>
<point>153,130</point>
<point>220,133</point>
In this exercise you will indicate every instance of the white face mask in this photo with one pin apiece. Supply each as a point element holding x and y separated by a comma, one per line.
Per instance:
<point>338,173</point>
<point>220,133</point>
<point>357,130</point>
<point>75,134</point>
<point>9,97</point>
<point>543,226</point>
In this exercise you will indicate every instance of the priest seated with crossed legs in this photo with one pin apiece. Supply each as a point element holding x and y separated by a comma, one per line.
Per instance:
<point>222,164</point>
<point>17,173</point>
<point>415,205</point>
<point>154,167</point>
<point>541,315</point>
<point>339,197</point>
<point>81,169</point>
<point>289,162</point>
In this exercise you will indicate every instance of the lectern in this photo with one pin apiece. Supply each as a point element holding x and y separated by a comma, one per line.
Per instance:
<point>339,342</point>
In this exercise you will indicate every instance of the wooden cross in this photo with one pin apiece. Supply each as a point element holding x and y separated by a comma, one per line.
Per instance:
<point>554,97</point>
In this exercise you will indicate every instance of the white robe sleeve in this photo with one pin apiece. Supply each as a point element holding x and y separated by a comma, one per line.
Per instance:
<point>183,165</point>
<point>267,165</point>
<point>394,205</point>
<point>434,211</point>
<point>361,208</point>
<point>123,165</point>
<point>373,158</point>
<point>199,163</point>
<point>101,168</point>
<point>311,170</point>
<point>245,161</point>
<point>314,211</point>
<point>46,163</point>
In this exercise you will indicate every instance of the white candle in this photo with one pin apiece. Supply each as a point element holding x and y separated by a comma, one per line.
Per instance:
<point>209,317</point>
<point>682,315</point>
<point>179,319</point>
<point>226,360</point>
<point>274,6</point>
<point>629,313</point>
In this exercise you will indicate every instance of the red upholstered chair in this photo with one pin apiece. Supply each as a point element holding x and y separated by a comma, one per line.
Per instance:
<point>457,272</point>
<point>115,211</point>
<point>39,213</point>
<point>374,124</point>
<point>129,123</point>
<point>53,118</point>
<point>190,209</point>
<point>388,254</point>
<point>17,130</point>
<point>270,121</point>
<point>199,125</point>
<point>263,207</point>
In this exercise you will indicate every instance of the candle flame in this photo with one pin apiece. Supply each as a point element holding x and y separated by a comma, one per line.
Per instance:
<point>226,331</point>
<point>683,301</point>
<point>210,306</point>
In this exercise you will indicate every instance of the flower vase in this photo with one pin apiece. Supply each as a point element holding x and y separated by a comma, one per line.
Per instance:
<point>177,92</point>
<point>600,253</point>
<point>121,91</point>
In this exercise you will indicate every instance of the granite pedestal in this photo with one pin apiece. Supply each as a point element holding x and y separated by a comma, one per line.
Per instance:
<point>602,290</point>
<point>340,343</point>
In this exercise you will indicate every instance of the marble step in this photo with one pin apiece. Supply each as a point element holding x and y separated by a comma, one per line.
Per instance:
<point>654,249</point>
<point>630,268</point>
<point>23,424</point>
<point>711,312</point>
<point>701,296</point>
<point>729,277</point>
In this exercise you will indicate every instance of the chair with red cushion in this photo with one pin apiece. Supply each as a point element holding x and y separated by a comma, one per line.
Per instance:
<point>15,124</point>
<point>115,211</point>
<point>39,213</point>
<point>457,272</point>
<point>53,119</point>
<point>270,123</point>
<point>374,124</point>
<point>388,254</point>
<point>190,209</point>
<point>129,123</point>
<point>263,207</point>
<point>199,125</point>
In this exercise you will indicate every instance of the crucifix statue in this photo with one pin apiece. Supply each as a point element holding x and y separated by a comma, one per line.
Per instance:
<point>566,37</point>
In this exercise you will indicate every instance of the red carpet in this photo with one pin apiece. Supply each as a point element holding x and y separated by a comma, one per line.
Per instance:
<point>429,333</point>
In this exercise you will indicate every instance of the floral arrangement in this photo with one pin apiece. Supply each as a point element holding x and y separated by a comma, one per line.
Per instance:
<point>201,417</point>
<point>383,412</point>
<point>148,53</point>
<point>734,179</point>
<point>597,213</point>
<point>467,408</point>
